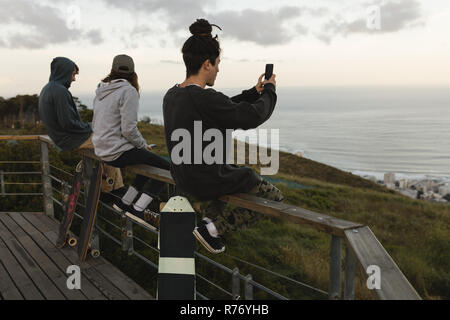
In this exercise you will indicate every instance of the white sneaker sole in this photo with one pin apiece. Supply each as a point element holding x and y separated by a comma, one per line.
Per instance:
<point>205,243</point>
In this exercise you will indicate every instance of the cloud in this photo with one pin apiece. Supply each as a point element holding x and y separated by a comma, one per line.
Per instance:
<point>394,16</point>
<point>40,25</point>
<point>257,26</point>
<point>260,27</point>
<point>180,13</point>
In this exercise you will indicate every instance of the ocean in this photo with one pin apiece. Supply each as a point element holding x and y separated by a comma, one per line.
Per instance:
<point>363,130</point>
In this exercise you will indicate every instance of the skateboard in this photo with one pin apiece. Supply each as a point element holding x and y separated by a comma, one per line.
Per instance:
<point>90,214</point>
<point>140,221</point>
<point>69,210</point>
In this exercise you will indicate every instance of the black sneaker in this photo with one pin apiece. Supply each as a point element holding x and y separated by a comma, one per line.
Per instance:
<point>113,196</point>
<point>212,244</point>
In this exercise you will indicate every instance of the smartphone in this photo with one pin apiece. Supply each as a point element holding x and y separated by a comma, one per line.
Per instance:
<point>269,71</point>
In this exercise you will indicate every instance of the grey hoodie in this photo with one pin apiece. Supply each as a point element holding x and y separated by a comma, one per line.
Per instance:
<point>115,120</point>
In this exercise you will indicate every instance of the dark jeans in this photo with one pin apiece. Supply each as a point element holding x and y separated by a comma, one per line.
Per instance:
<point>142,156</point>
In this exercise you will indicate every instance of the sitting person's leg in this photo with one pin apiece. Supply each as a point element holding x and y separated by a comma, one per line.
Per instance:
<point>226,219</point>
<point>150,188</point>
<point>241,218</point>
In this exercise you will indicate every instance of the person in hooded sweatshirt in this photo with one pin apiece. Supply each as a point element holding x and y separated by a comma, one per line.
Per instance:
<point>117,139</point>
<point>59,113</point>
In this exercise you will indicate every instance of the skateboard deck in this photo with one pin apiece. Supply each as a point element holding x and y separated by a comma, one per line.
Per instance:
<point>69,210</point>
<point>139,220</point>
<point>90,212</point>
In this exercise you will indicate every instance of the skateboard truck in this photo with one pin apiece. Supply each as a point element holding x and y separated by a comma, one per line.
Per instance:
<point>94,245</point>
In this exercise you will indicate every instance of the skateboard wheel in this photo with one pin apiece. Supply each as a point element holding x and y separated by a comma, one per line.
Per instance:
<point>95,253</point>
<point>72,242</point>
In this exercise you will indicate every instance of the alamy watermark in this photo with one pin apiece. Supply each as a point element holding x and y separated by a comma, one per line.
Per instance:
<point>74,279</point>
<point>73,17</point>
<point>373,17</point>
<point>213,153</point>
<point>374,279</point>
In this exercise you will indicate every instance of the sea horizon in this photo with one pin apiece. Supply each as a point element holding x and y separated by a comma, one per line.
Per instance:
<point>366,130</point>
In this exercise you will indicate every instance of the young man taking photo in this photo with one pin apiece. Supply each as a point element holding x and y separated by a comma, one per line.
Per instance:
<point>189,102</point>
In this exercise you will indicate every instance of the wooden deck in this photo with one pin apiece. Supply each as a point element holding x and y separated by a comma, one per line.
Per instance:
<point>32,268</point>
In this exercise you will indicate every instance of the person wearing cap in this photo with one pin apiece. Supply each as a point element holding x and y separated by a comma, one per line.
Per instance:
<point>117,139</point>
<point>64,125</point>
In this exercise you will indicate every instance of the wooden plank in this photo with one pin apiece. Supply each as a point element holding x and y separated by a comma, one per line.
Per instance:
<point>369,251</point>
<point>57,255</point>
<point>8,290</point>
<point>152,172</point>
<point>294,214</point>
<point>22,281</point>
<point>103,282</point>
<point>88,268</point>
<point>41,280</point>
<point>19,137</point>
<point>57,262</point>
<point>36,221</point>
<point>130,288</point>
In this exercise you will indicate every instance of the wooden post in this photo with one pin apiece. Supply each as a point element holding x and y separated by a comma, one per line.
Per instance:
<point>46,181</point>
<point>235,284</point>
<point>335,268</point>
<point>349,285</point>
<point>123,229</point>
<point>176,269</point>
<point>127,234</point>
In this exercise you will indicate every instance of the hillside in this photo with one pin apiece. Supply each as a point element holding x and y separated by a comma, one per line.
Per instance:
<point>415,233</point>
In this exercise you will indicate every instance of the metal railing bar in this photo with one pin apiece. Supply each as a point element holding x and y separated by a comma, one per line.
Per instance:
<point>22,194</point>
<point>22,183</point>
<point>20,162</point>
<point>20,173</point>
<point>276,274</point>
<point>144,259</point>
<point>108,235</point>
<point>109,222</point>
<point>214,285</point>
<point>201,296</point>
<point>60,170</point>
<point>267,290</point>
<point>145,243</point>
<point>220,266</point>
<point>56,179</point>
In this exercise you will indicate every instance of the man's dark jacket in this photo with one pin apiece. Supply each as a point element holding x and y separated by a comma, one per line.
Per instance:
<point>183,106</point>
<point>58,110</point>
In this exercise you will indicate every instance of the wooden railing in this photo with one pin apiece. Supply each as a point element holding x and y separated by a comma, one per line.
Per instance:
<point>362,247</point>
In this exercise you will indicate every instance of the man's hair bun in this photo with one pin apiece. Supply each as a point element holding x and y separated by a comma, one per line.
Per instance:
<point>201,27</point>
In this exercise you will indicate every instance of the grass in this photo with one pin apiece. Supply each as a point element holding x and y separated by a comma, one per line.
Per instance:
<point>415,233</point>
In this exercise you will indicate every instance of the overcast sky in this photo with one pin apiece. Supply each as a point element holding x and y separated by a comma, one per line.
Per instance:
<point>311,43</point>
